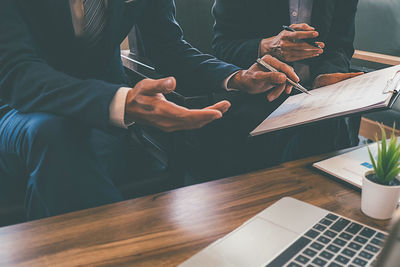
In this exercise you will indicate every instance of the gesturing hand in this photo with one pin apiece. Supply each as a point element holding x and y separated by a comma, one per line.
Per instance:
<point>256,80</point>
<point>331,78</point>
<point>146,104</point>
<point>288,46</point>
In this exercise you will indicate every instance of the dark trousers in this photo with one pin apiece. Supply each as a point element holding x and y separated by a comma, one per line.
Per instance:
<point>226,149</point>
<point>64,166</point>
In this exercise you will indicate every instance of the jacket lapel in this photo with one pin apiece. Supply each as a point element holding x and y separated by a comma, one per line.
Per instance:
<point>60,11</point>
<point>114,22</point>
<point>322,16</point>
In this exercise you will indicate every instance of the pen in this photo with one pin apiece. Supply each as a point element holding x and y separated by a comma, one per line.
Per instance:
<point>173,93</point>
<point>308,41</point>
<point>272,69</point>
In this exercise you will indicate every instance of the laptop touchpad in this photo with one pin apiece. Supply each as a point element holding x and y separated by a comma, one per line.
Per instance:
<point>252,244</point>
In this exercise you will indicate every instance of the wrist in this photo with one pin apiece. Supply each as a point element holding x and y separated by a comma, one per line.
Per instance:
<point>266,47</point>
<point>128,118</point>
<point>236,81</point>
<point>118,106</point>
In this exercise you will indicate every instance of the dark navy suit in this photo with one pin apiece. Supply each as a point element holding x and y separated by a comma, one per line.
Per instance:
<point>240,25</point>
<point>55,95</point>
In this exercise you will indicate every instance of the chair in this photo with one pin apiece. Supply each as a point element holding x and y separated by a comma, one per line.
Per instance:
<point>377,45</point>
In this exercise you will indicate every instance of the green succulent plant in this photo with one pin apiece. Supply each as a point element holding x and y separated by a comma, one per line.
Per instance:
<point>387,166</point>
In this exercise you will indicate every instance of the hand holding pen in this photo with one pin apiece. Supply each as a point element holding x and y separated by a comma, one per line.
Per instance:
<point>256,80</point>
<point>293,45</point>
<point>308,41</point>
<point>268,67</point>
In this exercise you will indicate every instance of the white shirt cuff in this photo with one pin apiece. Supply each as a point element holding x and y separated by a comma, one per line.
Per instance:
<point>226,81</point>
<point>117,108</point>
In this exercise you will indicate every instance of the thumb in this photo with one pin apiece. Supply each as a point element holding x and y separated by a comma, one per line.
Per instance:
<point>163,86</point>
<point>344,76</point>
<point>222,106</point>
<point>354,74</point>
<point>302,27</point>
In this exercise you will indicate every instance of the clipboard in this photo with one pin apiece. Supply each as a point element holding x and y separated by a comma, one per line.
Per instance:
<point>393,87</point>
<point>298,111</point>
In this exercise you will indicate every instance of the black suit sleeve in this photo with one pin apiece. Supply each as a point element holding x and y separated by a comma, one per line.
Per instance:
<point>339,44</point>
<point>164,45</point>
<point>29,84</point>
<point>233,39</point>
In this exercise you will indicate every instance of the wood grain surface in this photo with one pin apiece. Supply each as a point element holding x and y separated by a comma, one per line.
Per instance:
<point>167,228</point>
<point>376,57</point>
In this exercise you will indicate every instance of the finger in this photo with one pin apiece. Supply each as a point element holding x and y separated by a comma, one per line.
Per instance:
<point>191,119</point>
<point>302,27</point>
<point>321,44</point>
<point>331,78</point>
<point>197,118</point>
<point>300,46</point>
<point>299,35</point>
<point>264,81</point>
<point>170,117</point>
<point>299,55</point>
<point>173,111</point>
<point>302,57</point>
<point>354,74</point>
<point>274,78</point>
<point>288,88</point>
<point>221,106</point>
<point>275,93</point>
<point>286,69</point>
<point>153,87</point>
<point>343,76</point>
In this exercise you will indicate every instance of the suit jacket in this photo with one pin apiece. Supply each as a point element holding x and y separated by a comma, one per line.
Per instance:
<point>44,67</point>
<point>240,25</point>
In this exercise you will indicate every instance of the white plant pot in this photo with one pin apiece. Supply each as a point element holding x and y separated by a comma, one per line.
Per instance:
<point>378,201</point>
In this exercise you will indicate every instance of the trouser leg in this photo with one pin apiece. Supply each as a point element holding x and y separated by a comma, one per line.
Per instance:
<point>322,137</point>
<point>61,173</point>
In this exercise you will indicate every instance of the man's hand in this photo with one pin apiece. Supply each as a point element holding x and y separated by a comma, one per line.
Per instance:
<point>331,78</point>
<point>287,46</point>
<point>256,80</point>
<point>146,104</point>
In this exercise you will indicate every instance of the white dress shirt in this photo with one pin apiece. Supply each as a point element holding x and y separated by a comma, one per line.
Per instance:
<point>117,105</point>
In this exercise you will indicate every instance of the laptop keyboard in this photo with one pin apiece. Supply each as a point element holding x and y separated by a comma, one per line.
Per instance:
<point>333,241</point>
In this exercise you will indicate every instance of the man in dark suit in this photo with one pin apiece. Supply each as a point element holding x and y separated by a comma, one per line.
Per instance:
<point>64,99</point>
<point>245,30</point>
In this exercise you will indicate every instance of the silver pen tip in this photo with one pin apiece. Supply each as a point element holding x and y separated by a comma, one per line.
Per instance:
<point>303,89</point>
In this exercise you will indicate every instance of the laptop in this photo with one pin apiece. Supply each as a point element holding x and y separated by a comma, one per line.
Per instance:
<point>293,233</point>
<point>349,167</point>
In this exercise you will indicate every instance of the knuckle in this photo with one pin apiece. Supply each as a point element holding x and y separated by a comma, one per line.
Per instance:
<point>166,127</point>
<point>139,86</point>
<point>257,76</point>
<point>267,57</point>
<point>280,78</point>
<point>285,45</point>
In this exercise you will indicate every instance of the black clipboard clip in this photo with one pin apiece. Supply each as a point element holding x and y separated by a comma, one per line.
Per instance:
<point>393,84</point>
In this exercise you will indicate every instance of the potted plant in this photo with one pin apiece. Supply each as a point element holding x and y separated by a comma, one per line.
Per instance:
<point>381,187</point>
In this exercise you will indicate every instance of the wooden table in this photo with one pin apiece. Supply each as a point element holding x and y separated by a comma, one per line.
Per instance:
<point>167,228</point>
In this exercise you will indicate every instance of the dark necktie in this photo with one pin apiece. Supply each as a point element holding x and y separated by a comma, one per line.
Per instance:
<point>94,20</point>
